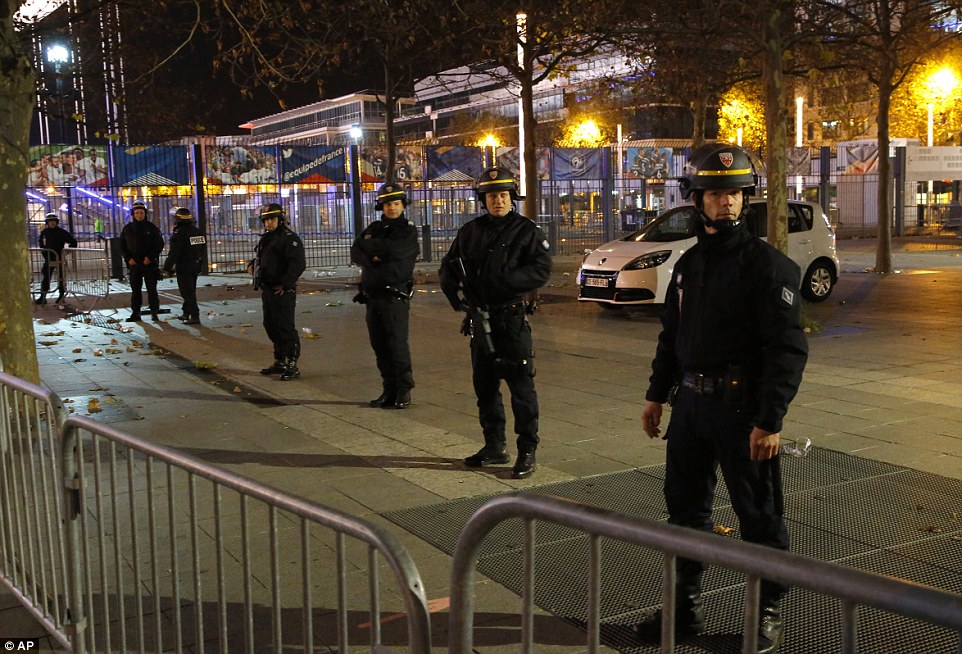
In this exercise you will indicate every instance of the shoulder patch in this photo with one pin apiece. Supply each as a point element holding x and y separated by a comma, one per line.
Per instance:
<point>545,244</point>
<point>197,240</point>
<point>788,296</point>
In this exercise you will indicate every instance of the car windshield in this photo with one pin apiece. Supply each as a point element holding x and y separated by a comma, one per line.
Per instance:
<point>676,225</point>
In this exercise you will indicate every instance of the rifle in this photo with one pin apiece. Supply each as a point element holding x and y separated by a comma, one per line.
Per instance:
<point>477,323</point>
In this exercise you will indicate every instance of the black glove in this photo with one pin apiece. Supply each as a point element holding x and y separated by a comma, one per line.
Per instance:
<point>360,298</point>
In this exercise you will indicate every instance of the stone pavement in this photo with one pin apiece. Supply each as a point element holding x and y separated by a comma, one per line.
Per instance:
<point>883,382</point>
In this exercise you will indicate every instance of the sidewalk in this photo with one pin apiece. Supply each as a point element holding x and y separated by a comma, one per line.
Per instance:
<point>883,383</point>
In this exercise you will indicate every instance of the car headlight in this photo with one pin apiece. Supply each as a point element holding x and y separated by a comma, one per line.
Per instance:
<point>649,260</point>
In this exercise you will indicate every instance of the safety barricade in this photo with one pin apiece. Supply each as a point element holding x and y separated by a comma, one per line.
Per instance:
<point>39,257</point>
<point>88,276</point>
<point>173,552</point>
<point>33,558</point>
<point>852,586</point>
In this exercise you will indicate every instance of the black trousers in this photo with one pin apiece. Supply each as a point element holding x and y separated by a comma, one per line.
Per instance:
<point>45,276</point>
<point>187,286</point>
<point>703,434</point>
<point>279,323</point>
<point>511,334</point>
<point>141,275</point>
<point>387,328</point>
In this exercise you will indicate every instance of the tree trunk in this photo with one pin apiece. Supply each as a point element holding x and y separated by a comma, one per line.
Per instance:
<point>699,111</point>
<point>776,117</point>
<point>390,100</point>
<point>530,153</point>
<point>18,353</point>
<point>883,252</point>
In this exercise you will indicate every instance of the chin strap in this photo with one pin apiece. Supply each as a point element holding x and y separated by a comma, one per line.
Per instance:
<point>721,226</point>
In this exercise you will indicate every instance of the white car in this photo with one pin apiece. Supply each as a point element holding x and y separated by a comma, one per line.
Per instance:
<point>636,269</point>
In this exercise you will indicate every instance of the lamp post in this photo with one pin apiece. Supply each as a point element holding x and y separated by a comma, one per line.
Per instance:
<point>58,55</point>
<point>799,101</point>
<point>356,134</point>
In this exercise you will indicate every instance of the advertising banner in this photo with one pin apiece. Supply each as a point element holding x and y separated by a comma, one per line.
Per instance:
<point>236,164</point>
<point>577,163</point>
<point>149,165</point>
<point>648,163</point>
<point>508,158</point>
<point>318,164</point>
<point>454,163</point>
<point>67,165</point>
<point>407,165</point>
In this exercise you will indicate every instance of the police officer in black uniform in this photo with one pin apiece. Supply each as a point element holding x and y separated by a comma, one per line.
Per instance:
<point>277,265</point>
<point>53,239</point>
<point>187,247</point>
<point>386,251</point>
<point>494,260</point>
<point>141,244</point>
<point>733,349</point>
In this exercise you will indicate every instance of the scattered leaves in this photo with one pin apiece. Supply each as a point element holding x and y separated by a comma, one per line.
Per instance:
<point>722,530</point>
<point>93,405</point>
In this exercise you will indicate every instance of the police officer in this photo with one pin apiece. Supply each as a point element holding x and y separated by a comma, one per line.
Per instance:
<point>277,265</point>
<point>386,251</point>
<point>187,246</point>
<point>141,244</point>
<point>53,238</point>
<point>494,260</point>
<point>733,348</point>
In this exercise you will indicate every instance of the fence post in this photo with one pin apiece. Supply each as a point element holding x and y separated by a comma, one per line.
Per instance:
<point>426,243</point>
<point>200,202</point>
<point>899,171</point>
<point>355,153</point>
<point>824,174</point>
<point>553,237</point>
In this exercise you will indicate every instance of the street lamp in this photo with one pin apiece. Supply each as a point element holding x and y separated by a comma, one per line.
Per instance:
<point>58,54</point>
<point>522,19</point>
<point>356,133</point>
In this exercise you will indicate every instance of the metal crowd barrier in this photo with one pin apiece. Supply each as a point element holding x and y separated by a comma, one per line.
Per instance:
<point>33,558</point>
<point>853,587</point>
<point>86,272</point>
<point>172,552</point>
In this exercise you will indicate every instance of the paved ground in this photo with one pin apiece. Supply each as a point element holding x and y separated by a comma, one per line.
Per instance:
<point>883,383</point>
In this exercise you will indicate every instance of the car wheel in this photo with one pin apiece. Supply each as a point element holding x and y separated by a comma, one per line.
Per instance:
<point>818,282</point>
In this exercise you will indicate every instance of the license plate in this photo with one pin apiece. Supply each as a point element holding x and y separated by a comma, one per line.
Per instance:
<point>596,281</point>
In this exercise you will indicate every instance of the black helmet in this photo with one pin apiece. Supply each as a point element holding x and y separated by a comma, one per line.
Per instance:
<point>138,205</point>
<point>272,210</point>
<point>51,216</point>
<point>495,180</point>
<point>390,193</point>
<point>717,166</point>
<point>182,213</point>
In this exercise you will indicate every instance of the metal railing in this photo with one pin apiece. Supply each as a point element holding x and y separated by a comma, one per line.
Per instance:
<point>83,273</point>
<point>176,552</point>
<point>853,587</point>
<point>33,558</point>
<point>115,544</point>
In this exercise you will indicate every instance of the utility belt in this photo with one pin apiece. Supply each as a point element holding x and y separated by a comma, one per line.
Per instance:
<point>513,309</point>
<point>729,385</point>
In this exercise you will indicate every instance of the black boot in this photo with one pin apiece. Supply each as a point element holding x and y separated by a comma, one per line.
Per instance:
<point>689,614</point>
<point>771,629</point>
<point>525,466</point>
<point>42,299</point>
<point>192,320</point>
<point>134,317</point>
<point>489,455</point>
<point>61,297</point>
<point>182,316</point>
<point>385,400</point>
<point>275,368</point>
<point>290,370</point>
<point>403,400</point>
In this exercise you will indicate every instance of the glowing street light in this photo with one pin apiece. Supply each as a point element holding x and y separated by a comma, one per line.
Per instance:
<point>489,141</point>
<point>356,133</point>
<point>587,134</point>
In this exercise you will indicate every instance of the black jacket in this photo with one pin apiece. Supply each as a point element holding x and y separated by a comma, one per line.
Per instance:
<point>187,245</point>
<point>56,238</point>
<point>386,251</point>
<point>141,239</point>
<point>733,300</point>
<point>503,258</point>
<point>280,258</point>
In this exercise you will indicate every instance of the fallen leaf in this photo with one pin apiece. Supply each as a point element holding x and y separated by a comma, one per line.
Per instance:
<point>49,343</point>
<point>52,334</point>
<point>205,365</point>
<point>723,530</point>
<point>98,353</point>
<point>131,349</point>
<point>237,389</point>
<point>77,351</point>
<point>311,335</point>
<point>113,350</point>
<point>93,406</point>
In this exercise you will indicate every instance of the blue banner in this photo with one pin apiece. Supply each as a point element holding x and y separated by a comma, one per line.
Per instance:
<point>149,165</point>
<point>454,163</point>
<point>313,164</point>
<point>508,158</point>
<point>577,163</point>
